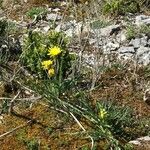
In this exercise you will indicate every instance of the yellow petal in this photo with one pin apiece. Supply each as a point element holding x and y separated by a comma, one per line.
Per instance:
<point>51,72</point>
<point>54,51</point>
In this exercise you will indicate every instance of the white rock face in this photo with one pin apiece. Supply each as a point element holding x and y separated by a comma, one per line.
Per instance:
<point>53,17</point>
<point>109,47</point>
<point>129,49</point>
<point>142,143</point>
<point>146,99</point>
<point>109,29</point>
<point>143,55</point>
<point>142,19</point>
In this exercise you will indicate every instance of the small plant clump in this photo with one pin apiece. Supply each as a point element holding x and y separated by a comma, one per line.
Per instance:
<point>36,11</point>
<point>119,7</point>
<point>47,55</point>
<point>134,31</point>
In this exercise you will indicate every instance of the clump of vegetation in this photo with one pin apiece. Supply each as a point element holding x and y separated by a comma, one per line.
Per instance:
<point>47,55</point>
<point>133,31</point>
<point>119,7</point>
<point>36,12</point>
<point>9,44</point>
<point>99,24</point>
<point>144,29</point>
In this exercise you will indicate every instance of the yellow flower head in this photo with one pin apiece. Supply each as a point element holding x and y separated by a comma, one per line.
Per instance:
<point>54,51</point>
<point>51,72</point>
<point>46,64</point>
<point>102,113</point>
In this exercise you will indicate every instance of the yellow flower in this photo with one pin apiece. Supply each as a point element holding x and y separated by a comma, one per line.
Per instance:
<point>46,64</point>
<point>51,72</point>
<point>102,113</point>
<point>54,51</point>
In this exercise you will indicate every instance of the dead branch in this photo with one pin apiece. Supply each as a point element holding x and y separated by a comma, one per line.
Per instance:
<point>13,130</point>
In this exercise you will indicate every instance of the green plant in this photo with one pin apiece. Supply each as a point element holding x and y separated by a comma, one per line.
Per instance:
<point>145,29</point>
<point>3,40</point>
<point>119,7</point>
<point>85,148</point>
<point>100,117</point>
<point>1,1</point>
<point>131,32</point>
<point>47,55</point>
<point>9,43</point>
<point>99,24</point>
<point>32,144</point>
<point>118,119</point>
<point>36,11</point>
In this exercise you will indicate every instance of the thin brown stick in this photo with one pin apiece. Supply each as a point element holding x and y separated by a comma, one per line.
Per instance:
<point>92,141</point>
<point>12,102</point>
<point>13,130</point>
<point>22,99</point>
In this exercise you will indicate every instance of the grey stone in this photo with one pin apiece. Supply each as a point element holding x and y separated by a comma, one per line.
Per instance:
<point>69,32</point>
<point>145,138</point>
<point>142,19</point>
<point>142,143</point>
<point>56,9</point>
<point>121,37</point>
<point>144,60</point>
<point>89,59</point>
<point>53,17</point>
<point>135,42</point>
<point>46,29</point>
<point>126,56</point>
<point>129,49</point>
<point>148,42</point>
<point>92,41</point>
<point>107,31</point>
<point>143,55</point>
<point>146,99</point>
<point>109,47</point>
<point>142,51</point>
<point>135,142</point>
<point>144,41</point>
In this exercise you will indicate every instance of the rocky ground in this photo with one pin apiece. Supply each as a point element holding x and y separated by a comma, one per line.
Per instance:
<point>123,40</point>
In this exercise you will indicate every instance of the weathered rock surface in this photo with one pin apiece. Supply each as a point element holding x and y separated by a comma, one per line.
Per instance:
<point>142,19</point>
<point>142,143</point>
<point>109,39</point>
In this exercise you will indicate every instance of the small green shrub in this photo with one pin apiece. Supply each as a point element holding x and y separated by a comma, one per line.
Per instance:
<point>131,32</point>
<point>32,144</point>
<point>145,29</point>
<point>1,1</point>
<point>99,24</point>
<point>47,55</point>
<point>9,43</point>
<point>36,11</point>
<point>3,27</point>
<point>119,7</point>
<point>145,3</point>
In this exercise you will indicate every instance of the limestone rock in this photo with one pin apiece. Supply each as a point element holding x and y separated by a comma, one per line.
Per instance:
<point>110,30</point>
<point>53,17</point>
<point>142,19</point>
<point>129,49</point>
<point>143,55</point>
<point>146,97</point>
<point>142,143</point>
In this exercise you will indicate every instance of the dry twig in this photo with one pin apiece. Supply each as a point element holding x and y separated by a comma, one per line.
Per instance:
<point>13,130</point>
